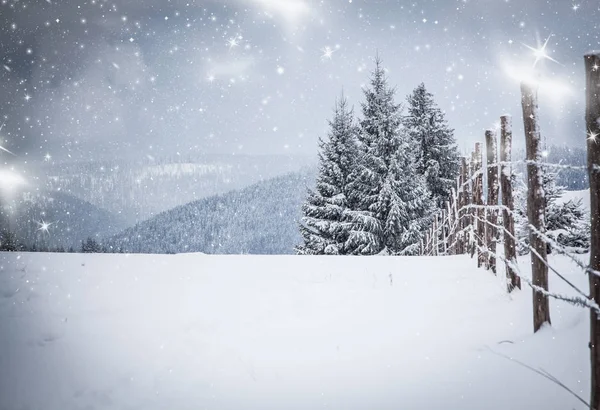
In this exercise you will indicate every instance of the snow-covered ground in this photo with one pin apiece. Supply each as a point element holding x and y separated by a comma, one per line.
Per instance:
<point>279,332</point>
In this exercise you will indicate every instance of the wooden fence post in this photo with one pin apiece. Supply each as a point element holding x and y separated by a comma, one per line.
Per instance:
<point>592,118</point>
<point>535,204</point>
<point>508,219</point>
<point>492,198</point>
<point>458,212</point>
<point>465,201</point>
<point>450,235</point>
<point>442,230</point>
<point>478,201</point>
<point>435,235</point>
<point>473,180</point>
<point>457,221</point>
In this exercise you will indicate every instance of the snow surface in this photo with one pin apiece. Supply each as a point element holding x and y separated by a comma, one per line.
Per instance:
<point>584,195</point>
<point>192,331</point>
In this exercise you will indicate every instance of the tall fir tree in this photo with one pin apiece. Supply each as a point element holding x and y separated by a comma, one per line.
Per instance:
<point>437,154</point>
<point>324,225</point>
<point>392,203</point>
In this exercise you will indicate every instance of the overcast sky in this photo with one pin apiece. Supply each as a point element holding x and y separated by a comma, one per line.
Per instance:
<point>159,77</point>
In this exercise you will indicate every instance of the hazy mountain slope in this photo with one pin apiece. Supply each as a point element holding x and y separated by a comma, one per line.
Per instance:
<point>260,219</point>
<point>141,189</point>
<point>71,220</point>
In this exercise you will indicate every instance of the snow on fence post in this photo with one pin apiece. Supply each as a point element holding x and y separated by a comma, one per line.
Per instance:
<point>535,204</point>
<point>492,198</point>
<point>478,201</point>
<point>510,251</point>
<point>592,118</point>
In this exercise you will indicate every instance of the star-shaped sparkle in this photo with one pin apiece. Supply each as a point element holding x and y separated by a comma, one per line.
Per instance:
<point>233,42</point>
<point>44,226</point>
<point>541,53</point>
<point>327,53</point>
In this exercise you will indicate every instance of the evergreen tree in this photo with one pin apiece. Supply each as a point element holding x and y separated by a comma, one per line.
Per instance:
<point>90,245</point>
<point>9,241</point>
<point>566,221</point>
<point>437,154</point>
<point>323,227</point>
<point>392,201</point>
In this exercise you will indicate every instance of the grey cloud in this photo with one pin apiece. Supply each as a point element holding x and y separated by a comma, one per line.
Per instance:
<point>134,74</point>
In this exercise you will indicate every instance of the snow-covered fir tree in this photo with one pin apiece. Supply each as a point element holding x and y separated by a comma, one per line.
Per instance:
<point>566,221</point>
<point>392,200</point>
<point>324,228</point>
<point>9,241</point>
<point>437,154</point>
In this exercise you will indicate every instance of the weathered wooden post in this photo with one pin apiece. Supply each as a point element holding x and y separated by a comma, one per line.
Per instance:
<point>508,203</point>
<point>478,201</point>
<point>465,201</point>
<point>492,198</point>
<point>456,209</point>
<point>535,204</point>
<point>450,235</point>
<point>592,118</point>
<point>435,235</point>
<point>474,201</point>
<point>458,212</point>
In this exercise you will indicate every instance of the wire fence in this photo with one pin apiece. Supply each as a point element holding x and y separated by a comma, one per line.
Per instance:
<point>451,225</point>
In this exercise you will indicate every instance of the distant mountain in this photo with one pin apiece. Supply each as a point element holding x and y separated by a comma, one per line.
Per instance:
<point>138,190</point>
<point>70,220</point>
<point>260,219</point>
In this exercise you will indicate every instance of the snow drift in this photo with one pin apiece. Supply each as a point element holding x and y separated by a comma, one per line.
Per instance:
<point>279,332</point>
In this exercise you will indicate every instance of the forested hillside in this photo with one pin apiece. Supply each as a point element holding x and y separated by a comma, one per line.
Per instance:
<point>141,189</point>
<point>54,220</point>
<point>260,219</point>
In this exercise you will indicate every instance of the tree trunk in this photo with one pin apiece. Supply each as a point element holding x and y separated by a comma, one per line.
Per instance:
<point>535,204</point>
<point>492,197</point>
<point>592,118</point>
<point>478,200</point>
<point>508,219</point>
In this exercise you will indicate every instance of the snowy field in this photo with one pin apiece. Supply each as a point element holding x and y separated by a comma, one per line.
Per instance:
<point>243,332</point>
